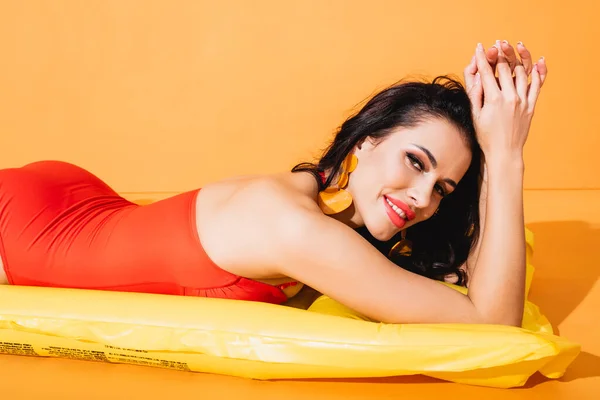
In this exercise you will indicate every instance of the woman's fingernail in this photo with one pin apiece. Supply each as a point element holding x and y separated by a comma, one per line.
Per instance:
<point>479,47</point>
<point>505,42</point>
<point>521,43</point>
<point>542,59</point>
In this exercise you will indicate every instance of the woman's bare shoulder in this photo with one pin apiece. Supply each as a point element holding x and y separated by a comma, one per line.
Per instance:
<point>239,220</point>
<point>269,193</point>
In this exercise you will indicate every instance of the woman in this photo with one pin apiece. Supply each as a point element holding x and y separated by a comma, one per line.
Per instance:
<point>404,170</point>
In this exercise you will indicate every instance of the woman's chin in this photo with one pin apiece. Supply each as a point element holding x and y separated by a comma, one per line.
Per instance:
<point>381,233</point>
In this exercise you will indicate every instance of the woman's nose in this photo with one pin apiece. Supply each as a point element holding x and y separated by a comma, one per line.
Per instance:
<point>421,196</point>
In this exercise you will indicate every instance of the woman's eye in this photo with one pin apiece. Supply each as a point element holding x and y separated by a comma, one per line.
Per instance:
<point>415,162</point>
<point>440,190</point>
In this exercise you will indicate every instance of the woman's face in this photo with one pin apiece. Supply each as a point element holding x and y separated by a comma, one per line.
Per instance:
<point>401,180</point>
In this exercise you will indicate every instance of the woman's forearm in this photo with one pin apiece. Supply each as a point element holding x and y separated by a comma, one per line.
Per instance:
<point>497,284</point>
<point>474,254</point>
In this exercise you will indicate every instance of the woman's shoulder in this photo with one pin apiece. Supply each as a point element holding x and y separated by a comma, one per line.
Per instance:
<point>248,215</point>
<point>271,191</point>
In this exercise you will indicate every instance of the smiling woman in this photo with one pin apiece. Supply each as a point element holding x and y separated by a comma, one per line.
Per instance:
<point>396,202</point>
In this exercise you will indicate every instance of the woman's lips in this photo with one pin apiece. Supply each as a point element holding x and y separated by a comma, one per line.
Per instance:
<point>393,215</point>
<point>410,214</point>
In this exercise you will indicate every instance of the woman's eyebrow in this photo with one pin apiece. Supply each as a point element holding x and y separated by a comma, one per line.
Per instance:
<point>432,159</point>
<point>450,182</point>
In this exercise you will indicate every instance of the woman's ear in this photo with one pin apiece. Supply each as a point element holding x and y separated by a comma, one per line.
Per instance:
<point>362,145</point>
<point>359,145</point>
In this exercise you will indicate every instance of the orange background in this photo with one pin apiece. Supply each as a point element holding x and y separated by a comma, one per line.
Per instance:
<point>157,97</point>
<point>168,95</point>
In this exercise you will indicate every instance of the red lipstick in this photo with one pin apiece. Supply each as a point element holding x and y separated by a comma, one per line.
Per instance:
<point>410,214</point>
<point>393,215</point>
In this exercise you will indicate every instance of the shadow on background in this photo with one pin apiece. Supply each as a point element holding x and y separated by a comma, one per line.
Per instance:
<point>566,264</point>
<point>567,267</point>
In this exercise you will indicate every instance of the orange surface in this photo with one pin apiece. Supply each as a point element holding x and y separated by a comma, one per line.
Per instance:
<point>159,97</point>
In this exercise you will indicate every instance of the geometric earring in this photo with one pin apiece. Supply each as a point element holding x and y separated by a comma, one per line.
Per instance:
<point>334,200</point>
<point>402,248</point>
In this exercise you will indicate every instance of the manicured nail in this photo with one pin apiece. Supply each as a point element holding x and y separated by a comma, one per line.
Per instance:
<point>479,47</point>
<point>521,43</point>
<point>542,59</point>
<point>505,42</point>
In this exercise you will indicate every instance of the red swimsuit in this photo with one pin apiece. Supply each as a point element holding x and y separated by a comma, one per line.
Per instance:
<point>61,226</point>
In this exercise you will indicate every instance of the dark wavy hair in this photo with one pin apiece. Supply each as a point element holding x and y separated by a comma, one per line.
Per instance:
<point>442,243</point>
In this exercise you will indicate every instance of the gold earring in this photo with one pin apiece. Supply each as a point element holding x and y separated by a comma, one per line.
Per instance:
<point>334,200</point>
<point>402,248</point>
